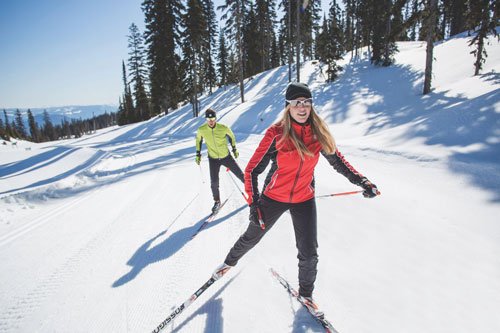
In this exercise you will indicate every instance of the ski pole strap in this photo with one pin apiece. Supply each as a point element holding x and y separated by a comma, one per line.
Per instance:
<point>339,194</point>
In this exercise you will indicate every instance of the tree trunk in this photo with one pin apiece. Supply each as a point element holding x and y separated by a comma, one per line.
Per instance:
<point>479,54</point>
<point>240,49</point>
<point>387,37</point>
<point>289,41</point>
<point>431,19</point>
<point>298,41</point>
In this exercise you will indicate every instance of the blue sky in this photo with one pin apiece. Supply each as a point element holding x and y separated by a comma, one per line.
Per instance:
<point>64,52</point>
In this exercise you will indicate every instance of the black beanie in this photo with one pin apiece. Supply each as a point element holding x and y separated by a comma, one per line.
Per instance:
<point>296,90</point>
<point>210,113</point>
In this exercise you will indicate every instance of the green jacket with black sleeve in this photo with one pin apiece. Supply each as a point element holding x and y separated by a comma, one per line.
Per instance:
<point>215,139</point>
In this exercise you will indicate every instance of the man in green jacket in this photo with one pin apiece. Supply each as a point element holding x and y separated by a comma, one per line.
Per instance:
<point>215,136</point>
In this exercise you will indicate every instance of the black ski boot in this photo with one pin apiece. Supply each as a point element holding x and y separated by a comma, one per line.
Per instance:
<point>216,206</point>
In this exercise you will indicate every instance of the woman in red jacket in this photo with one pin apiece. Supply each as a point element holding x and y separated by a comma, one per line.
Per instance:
<point>293,145</point>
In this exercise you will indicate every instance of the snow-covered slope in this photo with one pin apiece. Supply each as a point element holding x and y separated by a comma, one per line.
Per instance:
<point>95,233</point>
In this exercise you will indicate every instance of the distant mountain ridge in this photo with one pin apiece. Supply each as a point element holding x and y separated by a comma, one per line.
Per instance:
<point>59,113</point>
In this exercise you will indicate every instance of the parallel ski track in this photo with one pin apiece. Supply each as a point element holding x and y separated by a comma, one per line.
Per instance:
<point>47,217</point>
<point>27,227</point>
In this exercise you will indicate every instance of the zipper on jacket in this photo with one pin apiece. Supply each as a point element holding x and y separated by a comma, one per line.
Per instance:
<point>215,142</point>
<point>296,179</point>
<point>302,132</point>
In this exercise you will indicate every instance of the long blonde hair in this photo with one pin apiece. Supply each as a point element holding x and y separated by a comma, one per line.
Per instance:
<point>318,127</point>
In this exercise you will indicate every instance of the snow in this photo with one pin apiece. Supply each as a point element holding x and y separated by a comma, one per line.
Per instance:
<point>95,232</point>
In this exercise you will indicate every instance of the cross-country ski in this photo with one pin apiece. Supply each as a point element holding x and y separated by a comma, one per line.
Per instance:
<point>310,306</point>
<point>209,219</point>
<point>184,305</point>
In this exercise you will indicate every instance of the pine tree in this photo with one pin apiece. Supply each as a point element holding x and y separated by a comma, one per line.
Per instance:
<point>19,125</point>
<point>210,75</point>
<point>34,130</point>
<point>414,13</point>
<point>275,53</point>
<point>162,36</point>
<point>443,19</point>
<point>322,39</point>
<point>383,43</point>
<point>282,47</point>
<point>288,34</point>
<point>350,19</point>
<point>251,41</point>
<point>458,15</point>
<point>329,42</point>
<point>484,18</point>
<point>3,133</point>
<point>122,117</point>
<point>398,31</point>
<point>222,59</point>
<point>128,102</point>
<point>194,39</point>
<point>13,129</point>
<point>309,27</point>
<point>8,129</point>
<point>233,73</point>
<point>65,129</point>
<point>370,26</point>
<point>266,17</point>
<point>138,73</point>
<point>48,129</point>
<point>234,13</point>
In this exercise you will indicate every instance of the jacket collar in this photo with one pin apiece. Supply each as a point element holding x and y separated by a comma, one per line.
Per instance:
<point>298,127</point>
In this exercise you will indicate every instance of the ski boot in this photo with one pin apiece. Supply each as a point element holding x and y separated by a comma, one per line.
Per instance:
<point>220,271</point>
<point>309,303</point>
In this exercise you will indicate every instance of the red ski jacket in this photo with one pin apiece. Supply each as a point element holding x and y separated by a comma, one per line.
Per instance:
<point>291,179</point>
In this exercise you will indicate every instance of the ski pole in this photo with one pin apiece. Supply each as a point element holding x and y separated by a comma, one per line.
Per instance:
<point>261,221</point>
<point>339,194</point>
<point>202,176</point>
<point>234,182</point>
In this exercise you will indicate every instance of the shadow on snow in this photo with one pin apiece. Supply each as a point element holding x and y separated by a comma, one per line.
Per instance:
<point>147,254</point>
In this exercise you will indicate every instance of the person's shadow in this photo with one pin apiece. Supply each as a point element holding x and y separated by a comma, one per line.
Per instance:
<point>146,255</point>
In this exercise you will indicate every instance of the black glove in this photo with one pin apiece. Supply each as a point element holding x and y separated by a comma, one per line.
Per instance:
<point>235,152</point>
<point>256,216</point>
<point>370,189</point>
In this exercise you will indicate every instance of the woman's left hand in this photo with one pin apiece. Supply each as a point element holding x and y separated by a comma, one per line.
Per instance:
<point>370,189</point>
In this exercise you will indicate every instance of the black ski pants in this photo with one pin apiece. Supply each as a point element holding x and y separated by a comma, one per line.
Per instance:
<point>214,165</point>
<point>304,220</point>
